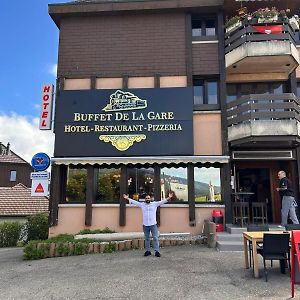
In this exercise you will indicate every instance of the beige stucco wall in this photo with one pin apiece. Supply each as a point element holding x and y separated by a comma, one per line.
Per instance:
<point>77,84</point>
<point>173,81</point>
<point>207,134</point>
<point>109,83</point>
<point>140,82</point>
<point>173,219</point>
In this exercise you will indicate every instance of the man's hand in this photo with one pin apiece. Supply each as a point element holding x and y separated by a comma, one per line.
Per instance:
<point>277,189</point>
<point>126,197</point>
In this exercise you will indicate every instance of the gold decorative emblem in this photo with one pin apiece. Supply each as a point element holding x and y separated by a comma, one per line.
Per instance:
<point>122,142</point>
<point>120,100</point>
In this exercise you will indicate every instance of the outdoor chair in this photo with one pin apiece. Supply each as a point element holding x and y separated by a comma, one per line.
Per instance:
<point>292,227</point>
<point>276,247</point>
<point>251,227</point>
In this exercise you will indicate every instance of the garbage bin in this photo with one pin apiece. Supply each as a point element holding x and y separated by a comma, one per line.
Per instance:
<point>217,217</point>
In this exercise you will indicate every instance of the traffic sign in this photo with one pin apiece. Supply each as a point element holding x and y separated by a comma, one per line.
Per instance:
<point>40,161</point>
<point>39,175</point>
<point>39,188</point>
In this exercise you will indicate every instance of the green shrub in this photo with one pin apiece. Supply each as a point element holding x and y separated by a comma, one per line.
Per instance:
<point>32,251</point>
<point>63,249</point>
<point>37,227</point>
<point>62,238</point>
<point>89,231</point>
<point>110,247</point>
<point>10,234</point>
<point>81,248</point>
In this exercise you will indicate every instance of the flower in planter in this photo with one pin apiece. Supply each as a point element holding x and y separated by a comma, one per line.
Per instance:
<point>266,13</point>
<point>232,21</point>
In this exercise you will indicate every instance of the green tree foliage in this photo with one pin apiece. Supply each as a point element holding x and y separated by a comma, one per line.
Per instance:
<point>37,227</point>
<point>10,234</point>
<point>76,185</point>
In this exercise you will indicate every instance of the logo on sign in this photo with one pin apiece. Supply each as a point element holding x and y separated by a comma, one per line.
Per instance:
<point>39,188</point>
<point>40,162</point>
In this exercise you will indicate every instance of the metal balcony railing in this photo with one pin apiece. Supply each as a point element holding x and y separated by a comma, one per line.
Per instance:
<point>246,33</point>
<point>263,107</point>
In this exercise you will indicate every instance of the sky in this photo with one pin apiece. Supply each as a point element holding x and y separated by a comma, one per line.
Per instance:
<point>28,51</point>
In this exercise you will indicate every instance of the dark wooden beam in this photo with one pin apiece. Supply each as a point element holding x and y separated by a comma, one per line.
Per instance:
<point>157,190</point>
<point>90,193</point>
<point>57,194</point>
<point>191,194</point>
<point>123,190</point>
<point>189,49</point>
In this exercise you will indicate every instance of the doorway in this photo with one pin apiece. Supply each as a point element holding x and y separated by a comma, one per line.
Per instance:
<point>256,181</point>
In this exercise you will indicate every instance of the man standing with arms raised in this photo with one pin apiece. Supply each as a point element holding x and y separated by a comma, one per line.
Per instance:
<point>149,220</point>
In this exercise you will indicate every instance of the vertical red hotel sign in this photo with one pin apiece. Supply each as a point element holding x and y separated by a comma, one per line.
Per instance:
<point>46,107</point>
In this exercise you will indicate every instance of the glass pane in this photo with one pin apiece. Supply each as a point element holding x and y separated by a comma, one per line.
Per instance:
<point>212,92</point>
<point>13,176</point>
<point>76,185</point>
<point>140,183</point>
<point>277,88</point>
<point>196,27</point>
<point>210,27</point>
<point>108,186</point>
<point>198,94</point>
<point>207,184</point>
<point>231,93</point>
<point>174,179</point>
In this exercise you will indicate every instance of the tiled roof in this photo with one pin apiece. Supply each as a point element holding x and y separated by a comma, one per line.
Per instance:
<point>8,156</point>
<point>17,201</point>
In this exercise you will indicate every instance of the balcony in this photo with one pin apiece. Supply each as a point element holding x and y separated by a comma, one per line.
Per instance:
<point>260,51</point>
<point>264,120</point>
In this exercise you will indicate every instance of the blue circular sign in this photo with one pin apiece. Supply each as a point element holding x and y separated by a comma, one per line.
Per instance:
<point>40,161</point>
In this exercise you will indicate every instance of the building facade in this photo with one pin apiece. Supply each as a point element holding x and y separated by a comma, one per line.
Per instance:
<point>154,96</point>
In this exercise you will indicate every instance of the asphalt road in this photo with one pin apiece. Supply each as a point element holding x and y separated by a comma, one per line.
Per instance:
<point>183,272</point>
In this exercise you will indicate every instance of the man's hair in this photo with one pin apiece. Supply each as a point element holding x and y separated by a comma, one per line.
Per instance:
<point>283,172</point>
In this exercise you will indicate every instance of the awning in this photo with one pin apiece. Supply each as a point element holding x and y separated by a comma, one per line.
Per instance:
<point>142,160</point>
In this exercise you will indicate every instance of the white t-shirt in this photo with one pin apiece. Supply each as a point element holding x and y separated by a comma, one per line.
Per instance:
<point>148,210</point>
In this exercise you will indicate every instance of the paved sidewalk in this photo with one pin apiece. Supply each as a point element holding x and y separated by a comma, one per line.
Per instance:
<point>183,272</point>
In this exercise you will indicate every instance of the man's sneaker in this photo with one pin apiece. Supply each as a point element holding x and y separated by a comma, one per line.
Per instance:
<point>280,226</point>
<point>147,253</point>
<point>157,254</point>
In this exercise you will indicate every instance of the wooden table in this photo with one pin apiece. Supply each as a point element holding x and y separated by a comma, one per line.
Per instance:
<point>255,237</point>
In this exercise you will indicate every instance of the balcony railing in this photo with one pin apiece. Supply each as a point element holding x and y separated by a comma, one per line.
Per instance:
<point>263,107</point>
<point>246,33</point>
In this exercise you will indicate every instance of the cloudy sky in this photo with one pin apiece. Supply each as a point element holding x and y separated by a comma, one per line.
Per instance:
<point>29,43</point>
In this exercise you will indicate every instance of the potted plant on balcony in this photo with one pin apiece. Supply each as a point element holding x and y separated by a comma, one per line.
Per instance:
<point>266,15</point>
<point>232,23</point>
<point>294,22</point>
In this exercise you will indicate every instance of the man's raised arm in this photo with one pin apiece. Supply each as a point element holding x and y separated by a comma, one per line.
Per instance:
<point>131,201</point>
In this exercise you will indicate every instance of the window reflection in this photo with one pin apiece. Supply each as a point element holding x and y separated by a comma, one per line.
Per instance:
<point>108,185</point>
<point>207,184</point>
<point>76,185</point>
<point>174,179</point>
<point>140,182</point>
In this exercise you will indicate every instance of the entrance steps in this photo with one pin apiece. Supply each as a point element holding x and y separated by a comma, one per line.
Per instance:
<point>232,238</point>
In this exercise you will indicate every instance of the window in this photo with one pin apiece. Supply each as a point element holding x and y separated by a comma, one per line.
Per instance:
<point>13,175</point>
<point>140,182</point>
<point>207,185</point>
<point>243,89</point>
<point>108,185</point>
<point>76,185</point>
<point>174,179</point>
<point>206,91</point>
<point>203,26</point>
<point>298,89</point>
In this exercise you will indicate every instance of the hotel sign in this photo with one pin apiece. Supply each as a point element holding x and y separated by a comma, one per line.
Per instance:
<point>138,122</point>
<point>46,107</point>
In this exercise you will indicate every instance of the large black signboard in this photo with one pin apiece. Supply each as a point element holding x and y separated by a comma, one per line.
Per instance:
<point>137,122</point>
